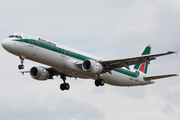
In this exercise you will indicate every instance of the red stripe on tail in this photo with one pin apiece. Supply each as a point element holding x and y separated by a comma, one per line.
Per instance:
<point>142,67</point>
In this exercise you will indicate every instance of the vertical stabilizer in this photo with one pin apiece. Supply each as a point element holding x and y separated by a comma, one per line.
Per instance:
<point>144,65</point>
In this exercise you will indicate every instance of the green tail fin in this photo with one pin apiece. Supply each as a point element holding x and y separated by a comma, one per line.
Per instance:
<point>143,66</point>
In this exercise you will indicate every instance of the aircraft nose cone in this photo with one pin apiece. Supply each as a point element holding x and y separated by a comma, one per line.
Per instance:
<point>4,43</point>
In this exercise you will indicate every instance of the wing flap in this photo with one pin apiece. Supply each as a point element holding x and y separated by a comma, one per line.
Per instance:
<point>159,77</point>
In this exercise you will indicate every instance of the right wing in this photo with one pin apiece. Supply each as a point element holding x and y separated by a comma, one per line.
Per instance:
<point>118,63</point>
<point>109,65</point>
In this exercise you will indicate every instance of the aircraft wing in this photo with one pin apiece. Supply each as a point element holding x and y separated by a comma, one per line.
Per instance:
<point>159,77</point>
<point>118,63</point>
<point>52,71</point>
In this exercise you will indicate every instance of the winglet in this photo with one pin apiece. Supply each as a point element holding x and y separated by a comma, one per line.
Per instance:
<point>176,52</point>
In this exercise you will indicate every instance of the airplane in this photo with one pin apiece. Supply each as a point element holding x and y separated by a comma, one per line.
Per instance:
<point>68,62</point>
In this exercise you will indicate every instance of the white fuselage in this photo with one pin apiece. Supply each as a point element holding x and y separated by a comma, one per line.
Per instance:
<point>65,61</point>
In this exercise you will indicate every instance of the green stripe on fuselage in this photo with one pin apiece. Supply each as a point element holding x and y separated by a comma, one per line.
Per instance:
<point>72,54</point>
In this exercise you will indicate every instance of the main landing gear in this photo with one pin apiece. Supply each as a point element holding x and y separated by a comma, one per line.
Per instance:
<point>64,86</point>
<point>22,61</point>
<point>99,81</point>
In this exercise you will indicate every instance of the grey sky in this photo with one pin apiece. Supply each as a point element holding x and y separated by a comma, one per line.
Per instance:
<point>106,28</point>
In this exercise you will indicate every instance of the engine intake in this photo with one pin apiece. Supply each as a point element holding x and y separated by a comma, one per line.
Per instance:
<point>92,66</point>
<point>39,73</point>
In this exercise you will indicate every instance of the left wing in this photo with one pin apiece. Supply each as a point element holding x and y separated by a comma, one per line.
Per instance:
<point>112,64</point>
<point>52,71</point>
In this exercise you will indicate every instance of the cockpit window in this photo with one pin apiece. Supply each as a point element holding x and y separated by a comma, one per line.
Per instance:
<point>15,36</point>
<point>20,37</point>
<point>11,36</point>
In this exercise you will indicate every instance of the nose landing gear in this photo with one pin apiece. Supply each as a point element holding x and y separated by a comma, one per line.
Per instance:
<point>22,61</point>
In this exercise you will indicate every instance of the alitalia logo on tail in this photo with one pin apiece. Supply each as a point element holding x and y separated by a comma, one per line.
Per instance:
<point>144,65</point>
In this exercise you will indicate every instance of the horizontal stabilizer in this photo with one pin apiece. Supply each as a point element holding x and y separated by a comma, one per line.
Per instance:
<point>159,77</point>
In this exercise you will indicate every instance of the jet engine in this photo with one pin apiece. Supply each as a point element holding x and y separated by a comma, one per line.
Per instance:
<point>92,66</point>
<point>39,73</point>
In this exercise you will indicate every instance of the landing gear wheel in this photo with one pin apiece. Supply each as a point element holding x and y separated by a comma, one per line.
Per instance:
<point>21,66</point>
<point>99,82</point>
<point>64,86</point>
<point>67,86</point>
<point>96,83</point>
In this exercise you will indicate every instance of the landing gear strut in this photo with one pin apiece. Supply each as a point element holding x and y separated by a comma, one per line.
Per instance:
<point>22,61</point>
<point>64,86</point>
<point>99,81</point>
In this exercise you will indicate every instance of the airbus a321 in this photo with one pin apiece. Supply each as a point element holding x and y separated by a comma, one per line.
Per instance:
<point>68,62</point>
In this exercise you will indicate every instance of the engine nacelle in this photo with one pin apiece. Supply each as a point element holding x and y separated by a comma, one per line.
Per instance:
<point>39,73</point>
<point>92,66</point>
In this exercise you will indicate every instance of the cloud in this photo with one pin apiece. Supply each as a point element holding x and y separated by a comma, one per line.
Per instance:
<point>55,110</point>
